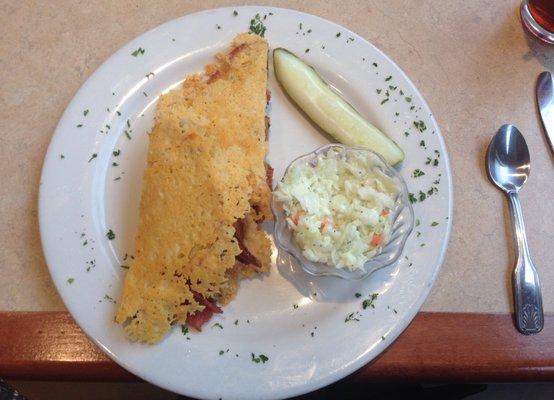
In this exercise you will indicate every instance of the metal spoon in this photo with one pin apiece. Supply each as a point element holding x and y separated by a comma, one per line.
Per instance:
<point>508,165</point>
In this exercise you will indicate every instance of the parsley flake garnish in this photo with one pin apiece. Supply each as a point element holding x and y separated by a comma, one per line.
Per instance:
<point>417,173</point>
<point>138,51</point>
<point>116,152</point>
<point>235,13</point>
<point>184,329</point>
<point>434,223</point>
<point>351,317</point>
<point>217,324</point>
<point>338,34</point>
<point>420,125</point>
<point>109,298</point>
<point>85,112</point>
<point>388,78</point>
<point>370,302</point>
<point>94,155</point>
<point>257,27</point>
<point>110,235</point>
<point>384,101</point>
<point>358,295</point>
<point>261,358</point>
<point>70,280</point>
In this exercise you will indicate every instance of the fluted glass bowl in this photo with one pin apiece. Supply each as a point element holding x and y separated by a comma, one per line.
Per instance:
<point>402,221</point>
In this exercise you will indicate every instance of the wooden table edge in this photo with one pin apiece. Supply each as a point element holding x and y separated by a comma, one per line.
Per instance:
<point>436,347</point>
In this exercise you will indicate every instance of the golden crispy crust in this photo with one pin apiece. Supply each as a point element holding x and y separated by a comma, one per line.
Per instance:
<point>205,170</point>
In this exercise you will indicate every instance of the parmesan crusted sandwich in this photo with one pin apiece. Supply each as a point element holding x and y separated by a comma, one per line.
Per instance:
<point>206,190</point>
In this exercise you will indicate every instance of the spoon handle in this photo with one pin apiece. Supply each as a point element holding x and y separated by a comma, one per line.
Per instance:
<point>527,289</point>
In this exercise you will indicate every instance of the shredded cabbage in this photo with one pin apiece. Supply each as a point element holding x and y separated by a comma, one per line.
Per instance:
<point>339,208</point>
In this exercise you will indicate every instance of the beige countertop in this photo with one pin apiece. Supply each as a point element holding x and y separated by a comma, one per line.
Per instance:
<point>471,60</point>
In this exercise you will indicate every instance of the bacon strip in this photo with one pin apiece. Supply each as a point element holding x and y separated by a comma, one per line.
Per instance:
<point>199,318</point>
<point>245,256</point>
<point>269,175</point>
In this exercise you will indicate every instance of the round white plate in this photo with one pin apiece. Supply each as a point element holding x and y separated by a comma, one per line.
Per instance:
<point>301,323</point>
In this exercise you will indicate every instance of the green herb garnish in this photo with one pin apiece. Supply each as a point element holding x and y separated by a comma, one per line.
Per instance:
<point>257,27</point>
<point>370,302</point>
<point>110,235</point>
<point>351,317</point>
<point>420,125</point>
<point>261,358</point>
<point>138,51</point>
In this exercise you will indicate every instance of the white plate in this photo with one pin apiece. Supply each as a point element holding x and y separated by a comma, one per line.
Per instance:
<point>309,346</point>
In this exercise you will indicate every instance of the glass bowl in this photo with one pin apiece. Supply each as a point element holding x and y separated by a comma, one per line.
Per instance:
<point>402,222</point>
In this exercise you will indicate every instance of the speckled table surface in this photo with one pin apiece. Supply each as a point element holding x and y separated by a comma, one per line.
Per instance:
<point>471,60</point>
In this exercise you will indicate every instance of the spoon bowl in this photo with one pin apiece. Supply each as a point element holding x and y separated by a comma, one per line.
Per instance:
<point>508,160</point>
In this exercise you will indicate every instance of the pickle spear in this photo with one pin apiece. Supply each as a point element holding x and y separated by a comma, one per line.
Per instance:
<point>329,110</point>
